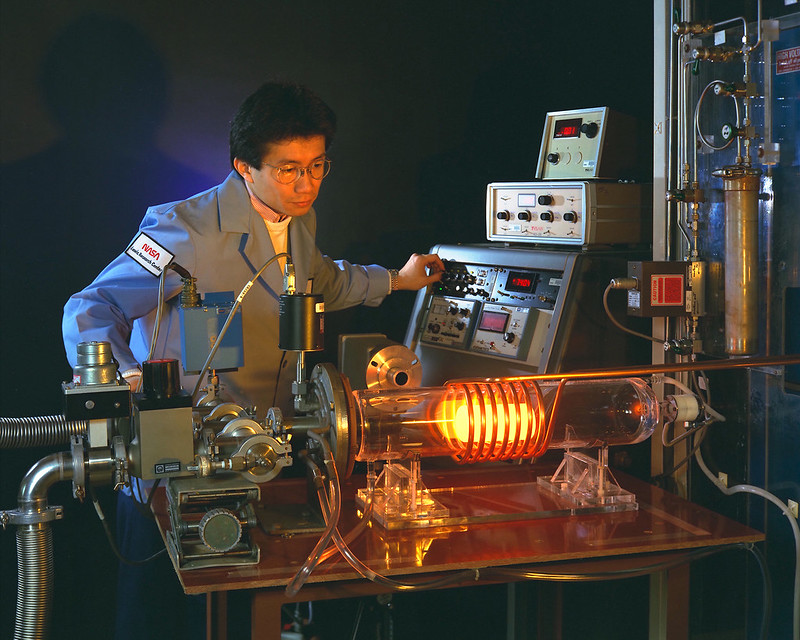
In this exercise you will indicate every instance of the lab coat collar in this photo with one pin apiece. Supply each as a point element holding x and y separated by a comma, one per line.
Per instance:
<point>234,201</point>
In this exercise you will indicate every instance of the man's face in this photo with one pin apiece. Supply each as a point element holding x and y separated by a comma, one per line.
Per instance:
<point>293,199</point>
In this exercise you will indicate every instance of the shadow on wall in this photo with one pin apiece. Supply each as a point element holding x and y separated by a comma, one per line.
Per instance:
<point>66,212</point>
<point>71,208</point>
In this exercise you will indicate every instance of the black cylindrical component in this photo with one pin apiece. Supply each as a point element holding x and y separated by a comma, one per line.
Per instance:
<point>301,322</point>
<point>160,379</point>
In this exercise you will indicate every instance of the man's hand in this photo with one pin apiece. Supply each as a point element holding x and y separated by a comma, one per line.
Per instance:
<point>420,271</point>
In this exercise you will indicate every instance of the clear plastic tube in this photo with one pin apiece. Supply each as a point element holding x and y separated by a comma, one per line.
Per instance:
<point>479,421</point>
<point>331,521</point>
<point>368,573</point>
<point>362,523</point>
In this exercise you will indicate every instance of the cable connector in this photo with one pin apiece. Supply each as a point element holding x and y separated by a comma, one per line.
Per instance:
<point>289,284</point>
<point>189,296</point>
<point>624,283</point>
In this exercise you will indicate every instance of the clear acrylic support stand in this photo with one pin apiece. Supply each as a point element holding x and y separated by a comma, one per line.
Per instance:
<point>588,483</point>
<point>401,500</point>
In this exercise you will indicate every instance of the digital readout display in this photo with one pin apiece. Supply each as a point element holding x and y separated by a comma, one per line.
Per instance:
<point>526,200</point>
<point>493,321</point>
<point>567,128</point>
<point>521,282</point>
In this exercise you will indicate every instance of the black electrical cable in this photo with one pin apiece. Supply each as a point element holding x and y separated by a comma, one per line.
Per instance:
<point>110,536</point>
<point>142,505</point>
<point>621,326</point>
<point>181,271</point>
<point>277,379</point>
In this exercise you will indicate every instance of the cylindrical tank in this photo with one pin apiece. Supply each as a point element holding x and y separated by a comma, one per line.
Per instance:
<point>503,420</point>
<point>741,185</point>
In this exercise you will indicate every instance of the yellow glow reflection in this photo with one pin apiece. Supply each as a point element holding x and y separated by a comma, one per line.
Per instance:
<point>493,421</point>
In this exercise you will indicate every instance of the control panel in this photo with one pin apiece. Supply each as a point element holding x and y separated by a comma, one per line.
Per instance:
<point>491,310</point>
<point>568,213</point>
<point>513,310</point>
<point>588,144</point>
<point>448,321</point>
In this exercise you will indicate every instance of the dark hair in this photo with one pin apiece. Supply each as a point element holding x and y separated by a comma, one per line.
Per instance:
<point>278,111</point>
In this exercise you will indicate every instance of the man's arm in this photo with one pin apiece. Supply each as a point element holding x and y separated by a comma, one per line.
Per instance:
<point>125,292</point>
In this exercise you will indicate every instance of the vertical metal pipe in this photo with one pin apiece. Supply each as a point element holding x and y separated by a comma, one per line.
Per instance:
<point>741,185</point>
<point>34,581</point>
<point>35,545</point>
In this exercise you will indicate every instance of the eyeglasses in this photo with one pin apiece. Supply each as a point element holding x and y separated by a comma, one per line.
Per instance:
<point>287,174</point>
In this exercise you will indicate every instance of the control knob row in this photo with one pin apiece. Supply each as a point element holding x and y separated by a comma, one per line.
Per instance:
<point>546,216</point>
<point>569,216</point>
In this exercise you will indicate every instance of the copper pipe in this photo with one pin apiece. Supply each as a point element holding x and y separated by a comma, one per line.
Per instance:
<point>644,370</point>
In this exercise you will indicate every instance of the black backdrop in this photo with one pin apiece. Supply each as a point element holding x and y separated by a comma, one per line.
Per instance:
<point>110,107</point>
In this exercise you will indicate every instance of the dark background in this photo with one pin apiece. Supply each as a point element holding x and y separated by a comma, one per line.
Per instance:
<point>108,108</point>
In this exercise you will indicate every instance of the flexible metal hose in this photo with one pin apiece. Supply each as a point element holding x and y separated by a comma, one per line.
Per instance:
<point>35,545</point>
<point>41,431</point>
<point>34,581</point>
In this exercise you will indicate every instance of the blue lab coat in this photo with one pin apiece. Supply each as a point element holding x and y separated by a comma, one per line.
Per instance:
<point>222,241</point>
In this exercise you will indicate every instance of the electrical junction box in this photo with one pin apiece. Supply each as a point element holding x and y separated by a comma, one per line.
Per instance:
<point>200,327</point>
<point>663,289</point>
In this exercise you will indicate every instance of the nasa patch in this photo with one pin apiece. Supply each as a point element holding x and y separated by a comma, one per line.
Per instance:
<point>148,253</point>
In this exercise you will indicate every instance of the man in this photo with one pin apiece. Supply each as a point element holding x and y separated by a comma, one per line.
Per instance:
<point>278,149</point>
<point>278,144</point>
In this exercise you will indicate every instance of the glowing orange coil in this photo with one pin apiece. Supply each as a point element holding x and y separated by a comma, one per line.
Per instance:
<point>488,421</point>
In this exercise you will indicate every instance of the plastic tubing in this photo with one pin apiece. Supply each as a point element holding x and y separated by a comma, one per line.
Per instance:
<point>374,576</point>
<point>355,531</point>
<point>748,488</point>
<point>331,521</point>
<point>325,506</point>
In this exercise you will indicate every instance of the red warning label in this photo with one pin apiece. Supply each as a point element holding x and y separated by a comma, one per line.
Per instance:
<point>787,60</point>
<point>666,290</point>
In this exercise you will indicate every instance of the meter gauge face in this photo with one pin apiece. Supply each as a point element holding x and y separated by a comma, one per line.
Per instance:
<point>501,330</point>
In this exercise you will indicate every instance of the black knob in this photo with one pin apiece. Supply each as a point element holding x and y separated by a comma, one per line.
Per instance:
<point>524,215</point>
<point>460,326</point>
<point>509,337</point>
<point>552,158</point>
<point>570,216</point>
<point>589,129</point>
<point>503,215</point>
<point>545,200</point>
<point>547,216</point>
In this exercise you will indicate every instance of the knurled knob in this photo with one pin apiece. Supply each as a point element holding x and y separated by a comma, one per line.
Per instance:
<point>220,530</point>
